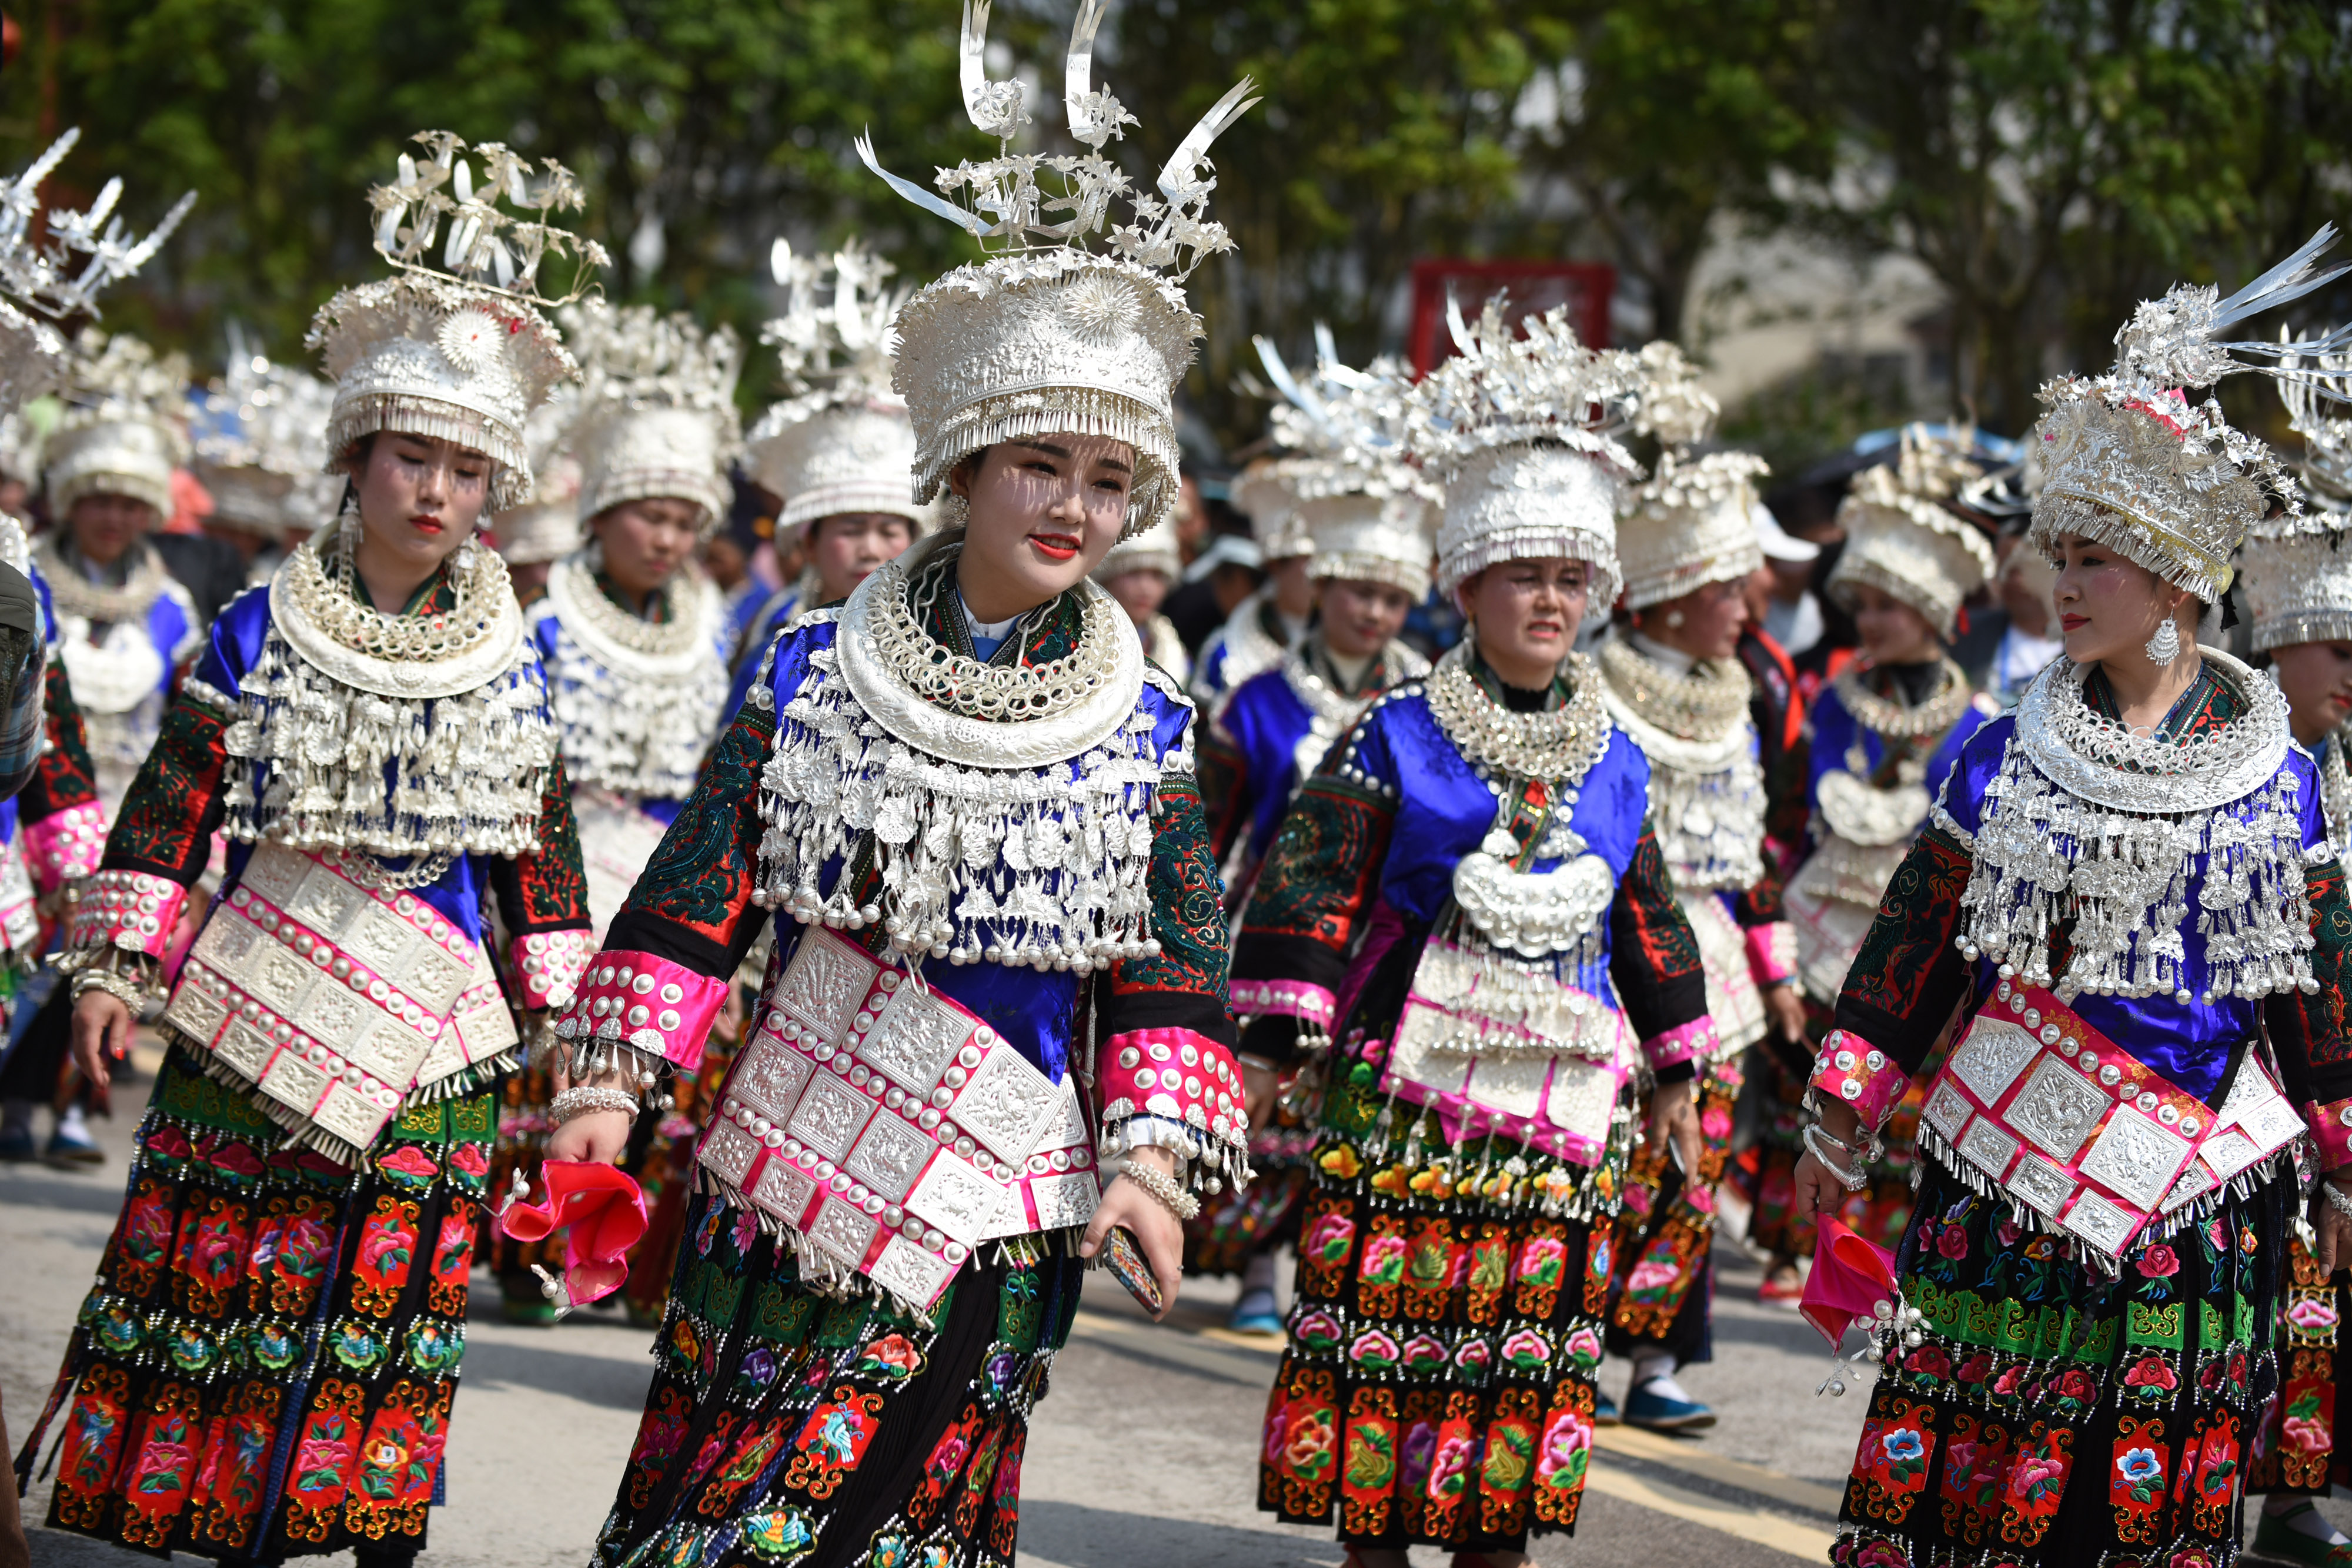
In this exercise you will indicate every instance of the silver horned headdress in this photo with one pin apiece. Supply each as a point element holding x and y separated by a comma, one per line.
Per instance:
<point>839,440</point>
<point>124,427</point>
<point>1692,522</point>
<point>459,351</point>
<point>1364,505</point>
<point>1045,335</point>
<point>656,407</point>
<point>2129,462</point>
<point>54,264</point>
<point>1522,431</point>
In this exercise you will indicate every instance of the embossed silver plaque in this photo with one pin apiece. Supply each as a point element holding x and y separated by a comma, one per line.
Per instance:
<point>2135,1158</point>
<point>2057,1108</point>
<point>2041,1183</point>
<point>1991,1057</point>
<point>829,1115</point>
<point>1946,1110</point>
<point>1988,1147</point>
<point>889,1156</point>
<point>2102,1223</point>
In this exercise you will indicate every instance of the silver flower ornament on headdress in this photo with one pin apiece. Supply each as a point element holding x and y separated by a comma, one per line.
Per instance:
<point>838,441</point>
<point>460,353</point>
<point>2129,462</point>
<point>1047,336</point>
<point>1364,505</point>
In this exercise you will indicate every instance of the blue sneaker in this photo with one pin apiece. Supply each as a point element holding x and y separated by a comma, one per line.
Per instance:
<point>1661,1406</point>
<point>1255,1313</point>
<point>1604,1409</point>
<point>16,1145</point>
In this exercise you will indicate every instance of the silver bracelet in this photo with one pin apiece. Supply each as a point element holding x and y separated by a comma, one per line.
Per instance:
<point>125,989</point>
<point>2337,1198</point>
<point>585,1099</point>
<point>1171,1197</point>
<point>1853,1180</point>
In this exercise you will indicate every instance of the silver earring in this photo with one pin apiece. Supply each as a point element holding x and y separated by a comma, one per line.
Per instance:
<point>2164,647</point>
<point>1674,619</point>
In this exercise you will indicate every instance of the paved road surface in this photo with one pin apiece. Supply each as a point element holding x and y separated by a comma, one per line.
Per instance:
<point>1143,1457</point>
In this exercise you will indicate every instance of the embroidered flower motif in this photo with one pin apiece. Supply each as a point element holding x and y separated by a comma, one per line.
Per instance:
<point>2140,1467</point>
<point>2159,1262</point>
<point>1902,1444</point>
<point>1953,1243</point>
<point>2313,1314</point>
<point>2151,1372</point>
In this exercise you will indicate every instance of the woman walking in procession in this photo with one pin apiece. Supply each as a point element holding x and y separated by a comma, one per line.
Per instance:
<point>265,1365</point>
<point>1004,966</point>
<point>2099,1247</point>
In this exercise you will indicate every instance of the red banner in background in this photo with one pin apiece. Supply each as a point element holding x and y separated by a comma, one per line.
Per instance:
<point>1533,286</point>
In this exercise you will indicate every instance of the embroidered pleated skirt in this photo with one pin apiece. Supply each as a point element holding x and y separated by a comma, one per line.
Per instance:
<point>2054,1416</point>
<point>265,1365</point>
<point>2300,1450</point>
<point>780,1416</point>
<point>1662,1286</point>
<point>1439,1384</point>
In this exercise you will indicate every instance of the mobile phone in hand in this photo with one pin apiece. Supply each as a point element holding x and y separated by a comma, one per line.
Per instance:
<point>1123,1256</point>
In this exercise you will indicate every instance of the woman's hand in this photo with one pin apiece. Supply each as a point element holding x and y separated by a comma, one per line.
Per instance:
<point>1259,1083</point>
<point>2335,1230</point>
<point>1818,1193</point>
<point>1157,1230</point>
<point>102,1035</point>
<point>599,1135</point>
<point>1786,1010</point>
<point>1675,1119</point>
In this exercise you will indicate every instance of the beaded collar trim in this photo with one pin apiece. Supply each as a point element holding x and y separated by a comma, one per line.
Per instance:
<point>634,721</point>
<point>1891,719</point>
<point>75,594</point>
<point>669,644</point>
<point>1706,796</point>
<point>2088,753</point>
<point>983,715</point>
<point>435,654</point>
<point>1694,721</point>
<point>1560,746</point>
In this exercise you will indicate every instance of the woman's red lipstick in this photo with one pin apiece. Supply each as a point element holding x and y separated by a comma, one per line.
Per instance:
<point>427,522</point>
<point>1054,547</point>
<point>2071,622</point>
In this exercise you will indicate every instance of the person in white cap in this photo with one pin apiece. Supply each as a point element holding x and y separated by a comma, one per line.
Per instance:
<point>1138,572</point>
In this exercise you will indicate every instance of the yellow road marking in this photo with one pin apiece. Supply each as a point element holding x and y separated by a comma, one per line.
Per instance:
<point>1781,1534</point>
<point>1682,1455</point>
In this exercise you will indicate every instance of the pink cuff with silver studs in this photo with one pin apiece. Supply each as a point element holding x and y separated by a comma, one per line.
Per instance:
<point>1177,1074</point>
<point>647,1003</point>
<point>64,846</point>
<point>1852,1070</point>
<point>1288,999</point>
<point>2331,1130</point>
<point>551,964</point>
<point>1772,952</point>
<point>1693,1041</point>
<point>133,910</point>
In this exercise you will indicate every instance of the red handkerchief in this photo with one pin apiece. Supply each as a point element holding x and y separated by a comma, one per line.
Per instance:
<point>1849,1278</point>
<point>602,1211</point>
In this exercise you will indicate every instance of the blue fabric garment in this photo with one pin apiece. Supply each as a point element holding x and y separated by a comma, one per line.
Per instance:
<point>2188,1043</point>
<point>1209,669</point>
<point>761,630</point>
<point>235,647</point>
<point>1266,721</point>
<point>1834,729</point>
<point>1037,1011</point>
<point>1445,811</point>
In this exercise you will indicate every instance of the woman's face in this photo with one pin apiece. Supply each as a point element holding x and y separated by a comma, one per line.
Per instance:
<point>646,541</point>
<point>848,546</point>
<point>2109,607</point>
<point>1526,613</point>
<point>420,496</point>
<point>1706,622</point>
<point>1360,617</point>
<point>105,525</point>
<point>1141,592</point>
<point>1892,633</point>
<point>2318,679</point>
<point>1044,511</point>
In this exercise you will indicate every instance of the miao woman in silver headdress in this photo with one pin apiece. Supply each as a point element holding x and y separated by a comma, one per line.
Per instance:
<point>267,1363</point>
<point>2127,909</point>
<point>1675,682</point>
<point>963,801</point>
<point>636,642</point>
<point>1467,927</point>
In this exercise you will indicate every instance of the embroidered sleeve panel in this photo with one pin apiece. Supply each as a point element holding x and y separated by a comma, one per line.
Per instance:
<point>1679,1047</point>
<point>1909,974</point>
<point>174,804</point>
<point>64,776</point>
<point>1174,1075</point>
<point>1316,888</point>
<point>1654,957</point>
<point>1852,1070</point>
<point>693,904</point>
<point>1762,903</point>
<point>547,890</point>
<point>1183,984</point>
<point>128,911</point>
<point>646,1002</point>
<point>2312,1033</point>
<point>66,845</point>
